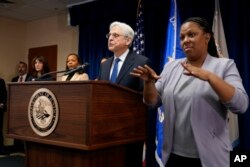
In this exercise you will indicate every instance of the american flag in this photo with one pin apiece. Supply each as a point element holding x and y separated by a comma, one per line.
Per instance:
<point>138,45</point>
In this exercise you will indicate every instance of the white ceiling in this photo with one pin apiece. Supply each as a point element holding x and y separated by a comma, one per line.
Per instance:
<point>28,10</point>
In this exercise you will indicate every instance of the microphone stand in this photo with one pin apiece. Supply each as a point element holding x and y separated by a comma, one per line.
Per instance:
<point>50,73</point>
<point>66,72</point>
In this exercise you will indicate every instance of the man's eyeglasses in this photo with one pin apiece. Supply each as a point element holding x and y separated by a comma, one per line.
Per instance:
<point>113,35</point>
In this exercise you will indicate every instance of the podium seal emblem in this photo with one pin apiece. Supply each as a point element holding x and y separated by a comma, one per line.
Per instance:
<point>43,112</point>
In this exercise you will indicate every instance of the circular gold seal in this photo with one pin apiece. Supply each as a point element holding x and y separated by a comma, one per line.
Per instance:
<point>43,112</point>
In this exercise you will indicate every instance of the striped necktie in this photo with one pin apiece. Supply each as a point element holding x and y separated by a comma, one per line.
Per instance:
<point>21,79</point>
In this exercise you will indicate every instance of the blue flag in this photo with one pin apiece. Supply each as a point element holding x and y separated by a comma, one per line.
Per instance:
<point>173,51</point>
<point>159,136</point>
<point>173,47</point>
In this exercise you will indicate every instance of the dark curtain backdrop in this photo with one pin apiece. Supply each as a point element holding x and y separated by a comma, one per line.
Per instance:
<point>94,18</point>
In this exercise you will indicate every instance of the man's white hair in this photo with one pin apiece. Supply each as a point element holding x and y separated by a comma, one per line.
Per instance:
<point>126,29</point>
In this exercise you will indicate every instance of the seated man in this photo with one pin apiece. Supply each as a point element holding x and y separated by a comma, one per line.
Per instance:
<point>22,73</point>
<point>21,77</point>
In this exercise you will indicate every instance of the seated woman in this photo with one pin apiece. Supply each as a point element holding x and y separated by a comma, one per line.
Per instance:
<point>72,61</point>
<point>39,68</point>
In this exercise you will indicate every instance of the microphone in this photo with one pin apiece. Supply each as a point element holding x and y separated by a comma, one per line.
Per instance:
<point>78,68</point>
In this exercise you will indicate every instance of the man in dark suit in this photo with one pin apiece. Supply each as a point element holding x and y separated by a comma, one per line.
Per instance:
<point>22,73</point>
<point>120,38</point>
<point>22,77</point>
<point>3,99</point>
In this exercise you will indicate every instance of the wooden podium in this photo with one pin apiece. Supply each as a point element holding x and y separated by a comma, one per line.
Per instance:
<point>99,125</point>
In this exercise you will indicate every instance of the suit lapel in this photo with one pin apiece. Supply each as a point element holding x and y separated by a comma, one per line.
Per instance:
<point>27,77</point>
<point>126,67</point>
<point>107,68</point>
